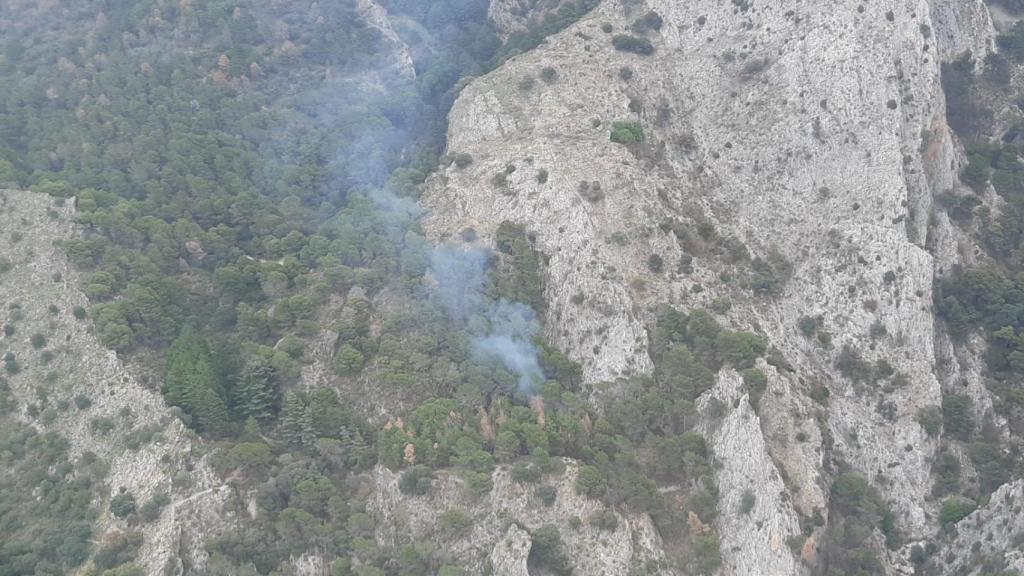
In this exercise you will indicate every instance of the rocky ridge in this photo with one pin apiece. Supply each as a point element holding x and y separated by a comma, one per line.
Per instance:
<point>812,137</point>
<point>124,421</point>
<point>500,521</point>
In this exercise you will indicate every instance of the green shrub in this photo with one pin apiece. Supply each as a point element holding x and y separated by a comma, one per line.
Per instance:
<point>590,482</point>
<point>11,365</point>
<point>526,472</point>
<point>548,552</point>
<point>634,44</point>
<point>38,340</point>
<point>704,504</point>
<point>930,419</point>
<point>101,425</point>
<point>756,383</point>
<point>649,21</point>
<point>958,416</point>
<point>955,509</point>
<point>454,522</point>
<point>627,132</point>
<point>1012,42</point>
<point>121,549</point>
<point>707,554</point>
<point>739,349</point>
<point>963,113</point>
<point>852,366</point>
<point>977,172</point>
<point>416,481</point>
<point>820,394</point>
<point>767,276</point>
<point>721,305</point>
<point>517,276</point>
<point>994,467</point>
<point>122,505</point>
<point>605,519</point>
<point>747,502</point>
<point>150,511</point>
<point>546,494</point>
<point>877,330</point>
<point>348,360</point>
<point>679,370</point>
<point>856,510</point>
<point>947,473</point>
<point>808,325</point>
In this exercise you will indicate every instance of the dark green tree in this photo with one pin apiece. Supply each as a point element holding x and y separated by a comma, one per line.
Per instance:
<point>191,383</point>
<point>256,394</point>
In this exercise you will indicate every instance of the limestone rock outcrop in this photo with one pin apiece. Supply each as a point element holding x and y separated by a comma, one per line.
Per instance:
<point>782,158</point>
<point>112,410</point>
<point>499,523</point>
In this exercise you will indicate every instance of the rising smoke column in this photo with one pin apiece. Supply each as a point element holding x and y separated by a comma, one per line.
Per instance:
<point>501,331</point>
<point>374,123</point>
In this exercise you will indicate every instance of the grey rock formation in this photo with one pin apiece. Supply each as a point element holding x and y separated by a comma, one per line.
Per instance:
<point>399,55</point>
<point>509,556</point>
<point>501,518</point>
<point>510,16</point>
<point>759,536</point>
<point>811,135</point>
<point>995,531</point>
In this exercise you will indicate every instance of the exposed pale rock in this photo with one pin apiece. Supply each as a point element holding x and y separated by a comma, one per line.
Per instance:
<point>793,129</point>
<point>510,16</point>
<point>508,558</point>
<point>400,56</point>
<point>992,532</point>
<point>754,542</point>
<point>42,277</point>
<point>495,515</point>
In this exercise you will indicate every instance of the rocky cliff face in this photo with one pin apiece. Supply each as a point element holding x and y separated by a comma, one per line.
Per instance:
<point>498,535</point>
<point>790,161</point>
<point>510,16</point>
<point>993,531</point>
<point>789,165</point>
<point>92,399</point>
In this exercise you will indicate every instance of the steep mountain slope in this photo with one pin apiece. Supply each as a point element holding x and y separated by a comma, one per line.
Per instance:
<point>68,384</point>
<point>778,163</point>
<point>730,215</point>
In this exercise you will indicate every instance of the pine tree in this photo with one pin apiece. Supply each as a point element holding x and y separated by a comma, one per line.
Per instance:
<point>209,410</point>
<point>363,455</point>
<point>256,393</point>
<point>191,383</point>
<point>293,420</point>
<point>250,431</point>
<point>307,438</point>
